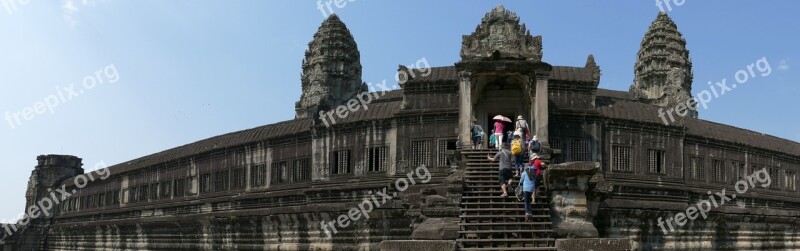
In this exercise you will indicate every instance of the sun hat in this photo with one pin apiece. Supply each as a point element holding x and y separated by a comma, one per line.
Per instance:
<point>520,117</point>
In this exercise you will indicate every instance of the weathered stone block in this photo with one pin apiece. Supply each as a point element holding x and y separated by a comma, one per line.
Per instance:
<point>418,245</point>
<point>593,244</point>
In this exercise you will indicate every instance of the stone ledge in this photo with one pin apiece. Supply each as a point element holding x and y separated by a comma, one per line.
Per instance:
<point>594,244</point>
<point>418,245</point>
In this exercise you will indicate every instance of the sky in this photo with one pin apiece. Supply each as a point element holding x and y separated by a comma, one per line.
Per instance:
<point>110,81</point>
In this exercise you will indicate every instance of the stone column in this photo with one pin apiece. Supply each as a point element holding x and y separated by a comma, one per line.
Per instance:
<point>540,109</point>
<point>576,191</point>
<point>464,108</point>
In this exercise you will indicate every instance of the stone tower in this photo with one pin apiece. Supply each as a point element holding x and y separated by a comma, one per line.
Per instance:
<point>501,36</point>
<point>663,71</point>
<point>331,70</point>
<point>48,175</point>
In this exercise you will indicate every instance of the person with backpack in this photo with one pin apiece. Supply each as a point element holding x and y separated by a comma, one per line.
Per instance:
<point>504,158</point>
<point>538,166</point>
<point>516,150</point>
<point>523,125</point>
<point>477,134</point>
<point>534,146</point>
<point>528,184</point>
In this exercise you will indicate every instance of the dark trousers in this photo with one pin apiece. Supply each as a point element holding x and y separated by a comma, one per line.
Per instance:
<point>518,162</point>
<point>527,199</point>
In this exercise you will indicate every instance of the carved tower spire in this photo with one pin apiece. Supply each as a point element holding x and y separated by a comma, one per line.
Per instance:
<point>331,69</point>
<point>663,71</point>
<point>501,36</point>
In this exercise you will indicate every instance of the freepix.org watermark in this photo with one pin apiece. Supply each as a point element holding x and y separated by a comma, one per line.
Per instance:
<point>106,74</point>
<point>45,205</point>
<point>375,200</point>
<point>362,100</point>
<point>715,200</point>
<point>327,7</point>
<point>11,6</point>
<point>716,90</point>
<point>666,5</point>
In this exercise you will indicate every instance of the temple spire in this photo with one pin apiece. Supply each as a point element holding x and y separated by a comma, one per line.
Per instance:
<point>663,70</point>
<point>331,69</point>
<point>500,35</point>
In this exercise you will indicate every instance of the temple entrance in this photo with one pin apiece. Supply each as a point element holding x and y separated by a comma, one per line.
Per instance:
<point>501,96</point>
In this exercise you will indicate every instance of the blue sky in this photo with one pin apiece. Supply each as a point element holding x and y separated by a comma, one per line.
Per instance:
<point>189,70</point>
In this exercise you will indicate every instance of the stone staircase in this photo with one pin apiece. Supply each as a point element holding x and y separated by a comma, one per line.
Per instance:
<point>492,222</point>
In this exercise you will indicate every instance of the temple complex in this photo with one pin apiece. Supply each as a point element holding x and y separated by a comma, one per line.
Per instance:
<point>615,170</point>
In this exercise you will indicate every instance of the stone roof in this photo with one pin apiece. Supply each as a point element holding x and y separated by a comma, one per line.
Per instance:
<point>619,105</point>
<point>611,103</point>
<point>559,73</point>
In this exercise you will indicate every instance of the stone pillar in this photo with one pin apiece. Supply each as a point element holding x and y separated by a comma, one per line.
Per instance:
<point>464,108</point>
<point>576,190</point>
<point>568,185</point>
<point>540,109</point>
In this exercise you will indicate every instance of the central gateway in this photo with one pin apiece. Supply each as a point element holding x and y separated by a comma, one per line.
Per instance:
<point>501,72</point>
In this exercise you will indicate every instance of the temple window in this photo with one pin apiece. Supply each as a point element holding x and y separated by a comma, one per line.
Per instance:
<point>221,178</point>
<point>656,162</point>
<point>179,190</point>
<point>237,178</point>
<point>441,151</point>
<point>420,153</point>
<point>739,171</point>
<point>789,181</point>
<point>154,191</point>
<point>696,170</point>
<point>301,170</point>
<point>258,175</point>
<point>718,170</point>
<point>205,182</point>
<point>166,189</point>
<point>376,159</point>
<point>341,162</point>
<point>621,158</point>
<point>278,172</point>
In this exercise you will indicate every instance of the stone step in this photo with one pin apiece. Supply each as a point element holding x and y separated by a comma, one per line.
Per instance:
<point>520,209</point>
<point>506,248</point>
<point>501,203</point>
<point>503,216</point>
<point>519,241</point>
<point>464,224</point>
<point>505,231</point>
<point>492,222</point>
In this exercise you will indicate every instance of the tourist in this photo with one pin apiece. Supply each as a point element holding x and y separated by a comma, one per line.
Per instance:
<point>528,190</point>
<point>477,134</point>
<point>518,152</point>
<point>504,157</point>
<point>492,141</point>
<point>538,165</point>
<point>535,146</point>
<point>498,133</point>
<point>523,125</point>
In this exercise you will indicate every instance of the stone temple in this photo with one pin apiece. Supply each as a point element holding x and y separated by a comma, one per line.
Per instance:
<point>618,177</point>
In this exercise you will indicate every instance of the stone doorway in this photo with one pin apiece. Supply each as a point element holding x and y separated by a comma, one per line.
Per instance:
<point>505,96</point>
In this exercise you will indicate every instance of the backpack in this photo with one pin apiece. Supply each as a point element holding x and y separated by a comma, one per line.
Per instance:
<point>536,147</point>
<point>522,125</point>
<point>477,131</point>
<point>532,174</point>
<point>516,147</point>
